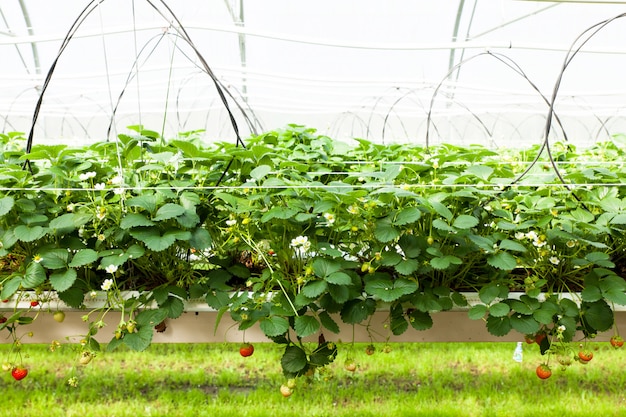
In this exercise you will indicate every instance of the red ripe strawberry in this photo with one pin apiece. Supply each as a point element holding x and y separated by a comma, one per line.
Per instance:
<point>19,373</point>
<point>34,303</point>
<point>3,319</point>
<point>246,349</point>
<point>617,341</point>
<point>539,337</point>
<point>585,356</point>
<point>543,371</point>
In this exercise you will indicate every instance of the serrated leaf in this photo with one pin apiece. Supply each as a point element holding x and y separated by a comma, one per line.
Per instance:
<point>406,216</point>
<point>217,299</point>
<point>477,312</point>
<point>54,258</point>
<point>445,262</point>
<point>441,225</point>
<point>598,315</point>
<point>293,360</point>
<point>64,222</point>
<point>339,278</point>
<point>145,201</point>
<point>135,220</point>
<point>398,323</point>
<point>612,283</point>
<point>174,307</point>
<point>459,299</point>
<point>388,290</point>
<point>168,211</point>
<point>29,233</point>
<point>591,293</point>
<point>35,275</point>
<point>340,293</point>
<point>499,309</point>
<point>355,311</point>
<point>385,232</point>
<point>73,297</point>
<point>499,326</point>
<point>407,266</point>
<point>441,209</point>
<point>278,212</point>
<point>6,204</point>
<point>274,326</point>
<point>328,322</point>
<point>314,289</point>
<point>83,257</point>
<point>502,260</point>
<point>389,258</point>
<point>10,287</point>
<point>512,245</point>
<point>481,171</point>
<point>615,296</point>
<point>153,239</point>
<point>259,172</point>
<point>420,320</point>
<point>151,318</point>
<point>140,340</point>
<point>569,307</point>
<point>525,324</point>
<point>465,221</point>
<point>306,325</point>
<point>200,239</point>
<point>323,267</point>
<point>488,293</point>
<point>63,280</point>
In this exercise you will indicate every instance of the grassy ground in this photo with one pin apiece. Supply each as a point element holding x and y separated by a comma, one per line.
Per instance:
<point>434,379</point>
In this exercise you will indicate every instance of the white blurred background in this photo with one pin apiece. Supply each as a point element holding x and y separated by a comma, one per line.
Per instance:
<point>349,68</point>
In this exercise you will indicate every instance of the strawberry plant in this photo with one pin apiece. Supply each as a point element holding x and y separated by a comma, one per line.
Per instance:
<point>296,233</point>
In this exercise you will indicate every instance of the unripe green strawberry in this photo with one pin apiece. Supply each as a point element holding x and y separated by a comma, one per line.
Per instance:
<point>59,316</point>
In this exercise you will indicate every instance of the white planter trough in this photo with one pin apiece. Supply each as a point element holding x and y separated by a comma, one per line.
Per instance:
<point>197,324</point>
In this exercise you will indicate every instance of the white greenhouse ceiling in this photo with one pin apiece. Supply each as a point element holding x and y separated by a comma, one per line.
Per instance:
<point>481,71</point>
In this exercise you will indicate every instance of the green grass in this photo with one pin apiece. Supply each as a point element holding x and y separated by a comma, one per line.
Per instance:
<point>419,379</point>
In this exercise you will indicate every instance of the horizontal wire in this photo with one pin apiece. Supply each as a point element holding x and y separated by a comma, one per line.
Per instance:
<point>404,187</point>
<point>406,46</point>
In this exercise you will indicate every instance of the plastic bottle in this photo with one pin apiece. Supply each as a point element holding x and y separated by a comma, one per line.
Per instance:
<point>518,353</point>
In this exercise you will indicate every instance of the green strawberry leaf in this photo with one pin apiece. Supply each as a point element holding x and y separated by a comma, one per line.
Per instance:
<point>328,322</point>
<point>499,309</point>
<point>355,311</point>
<point>306,325</point>
<point>168,211</point>
<point>63,280</point>
<point>465,221</point>
<point>35,275</point>
<point>135,220</point>
<point>525,324</point>
<point>499,326</point>
<point>273,326</point>
<point>389,290</point>
<point>314,289</point>
<point>83,257</point>
<point>477,311</point>
<point>420,320</point>
<point>6,204</point>
<point>293,360</point>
